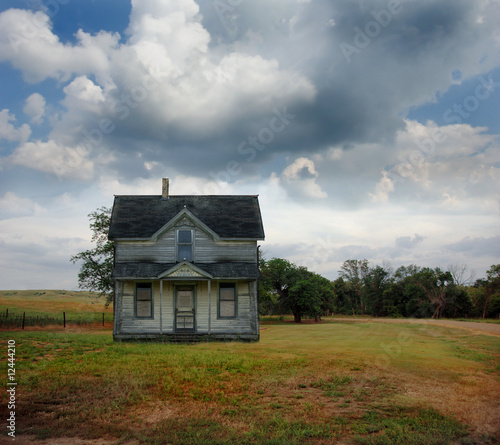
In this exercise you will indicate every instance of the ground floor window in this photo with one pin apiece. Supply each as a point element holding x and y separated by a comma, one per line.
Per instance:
<point>143,300</point>
<point>227,300</point>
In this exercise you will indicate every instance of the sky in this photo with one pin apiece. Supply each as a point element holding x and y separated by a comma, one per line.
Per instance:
<point>369,129</point>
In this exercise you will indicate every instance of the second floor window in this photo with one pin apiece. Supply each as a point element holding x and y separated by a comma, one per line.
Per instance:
<point>185,245</point>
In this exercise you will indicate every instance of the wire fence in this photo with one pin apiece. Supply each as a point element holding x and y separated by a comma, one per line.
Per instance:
<point>16,319</point>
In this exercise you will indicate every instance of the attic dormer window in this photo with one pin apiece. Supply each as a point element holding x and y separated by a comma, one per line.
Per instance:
<point>184,245</point>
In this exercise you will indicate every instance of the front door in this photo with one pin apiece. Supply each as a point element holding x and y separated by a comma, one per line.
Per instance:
<point>184,310</point>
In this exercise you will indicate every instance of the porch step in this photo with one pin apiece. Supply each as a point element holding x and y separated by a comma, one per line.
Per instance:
<point>197,338</point>
<point>187,338</point>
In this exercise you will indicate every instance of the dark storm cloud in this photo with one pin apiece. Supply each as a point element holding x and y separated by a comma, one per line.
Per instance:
<point>413,49</point>
<point>347,72</point>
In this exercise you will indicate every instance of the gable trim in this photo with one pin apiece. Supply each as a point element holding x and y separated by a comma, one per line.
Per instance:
<point>185,264</point>
<point>184,213</point>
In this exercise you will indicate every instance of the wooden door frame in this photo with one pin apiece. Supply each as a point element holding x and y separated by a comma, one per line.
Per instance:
<point>180,287</point>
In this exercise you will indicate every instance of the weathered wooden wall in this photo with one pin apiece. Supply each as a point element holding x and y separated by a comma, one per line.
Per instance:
<point>246,321</point>
<point>206,249</point>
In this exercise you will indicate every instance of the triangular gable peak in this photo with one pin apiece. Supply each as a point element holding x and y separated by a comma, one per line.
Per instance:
<point>185,270</point>
<point>181,217</point>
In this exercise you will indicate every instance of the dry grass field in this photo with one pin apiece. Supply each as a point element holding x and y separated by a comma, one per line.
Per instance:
<point>345,382</point>
<point>44,307</point>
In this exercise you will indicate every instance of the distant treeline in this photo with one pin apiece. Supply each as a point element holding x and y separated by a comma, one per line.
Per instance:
<point>381,291</point>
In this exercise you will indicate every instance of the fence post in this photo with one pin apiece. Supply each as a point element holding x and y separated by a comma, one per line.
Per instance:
<point>64,318</point>
<point>7,313</point>
<point>103,318</point>
<point>24,318</point>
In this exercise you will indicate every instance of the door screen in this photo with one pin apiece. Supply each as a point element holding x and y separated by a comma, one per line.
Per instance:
<point>184,311</point>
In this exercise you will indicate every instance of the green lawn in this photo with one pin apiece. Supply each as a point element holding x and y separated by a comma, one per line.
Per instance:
<point>362,383</point>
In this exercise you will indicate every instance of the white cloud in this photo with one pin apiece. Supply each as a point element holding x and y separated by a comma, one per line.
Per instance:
<point>50,157</point>
<point>28,43</point>
<point>11,133</point>
<point>167,40</point>
<point>82,93</point>
<point>35,107</point>
<point>300,177</point>
<point>382,189</point>
<point>441,162</point>
<point>110,186</point>
<point>12,205</point>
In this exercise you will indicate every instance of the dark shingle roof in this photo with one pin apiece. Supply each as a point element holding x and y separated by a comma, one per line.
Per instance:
<point>217,270</point>
<point>228,216</point>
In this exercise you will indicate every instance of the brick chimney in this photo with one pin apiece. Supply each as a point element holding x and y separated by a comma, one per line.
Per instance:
<point>164,188</point>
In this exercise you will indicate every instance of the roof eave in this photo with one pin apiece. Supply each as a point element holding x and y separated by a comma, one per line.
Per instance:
<point>154,238</point>
<point>241,239</point>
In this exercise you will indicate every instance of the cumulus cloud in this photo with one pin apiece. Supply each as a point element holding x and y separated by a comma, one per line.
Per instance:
<point>50,157</point>
<point>9,131</point>
<point>35,107</point>
<point>28,43</point>
<point>441,163</point>
<point>164,82</point>
<point>82,93</point>
<point>300,178</point>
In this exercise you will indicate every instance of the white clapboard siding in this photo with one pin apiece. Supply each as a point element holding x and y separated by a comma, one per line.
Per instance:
<point>162,250</point>
<point>167,306</point>
<point>206,249</point>
<point>243,323</point>
<point>202,306</point>
<point>232,325</point>
<point>131,324</point>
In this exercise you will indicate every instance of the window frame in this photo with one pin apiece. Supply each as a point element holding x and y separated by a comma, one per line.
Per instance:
<point>227,285</point>
<point>144,285</point>
<point>178,244</point>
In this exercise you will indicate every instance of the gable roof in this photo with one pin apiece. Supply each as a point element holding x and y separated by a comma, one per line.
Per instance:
<point>230,217</point>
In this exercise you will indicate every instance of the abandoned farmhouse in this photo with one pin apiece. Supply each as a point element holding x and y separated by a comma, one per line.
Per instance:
<point>186,266</point>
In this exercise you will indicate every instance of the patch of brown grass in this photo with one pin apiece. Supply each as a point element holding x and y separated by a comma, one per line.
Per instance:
<point>474,398</point>
<point>32,440</point>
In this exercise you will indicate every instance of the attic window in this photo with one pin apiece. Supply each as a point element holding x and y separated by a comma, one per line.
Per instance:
<point>185,245</point>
